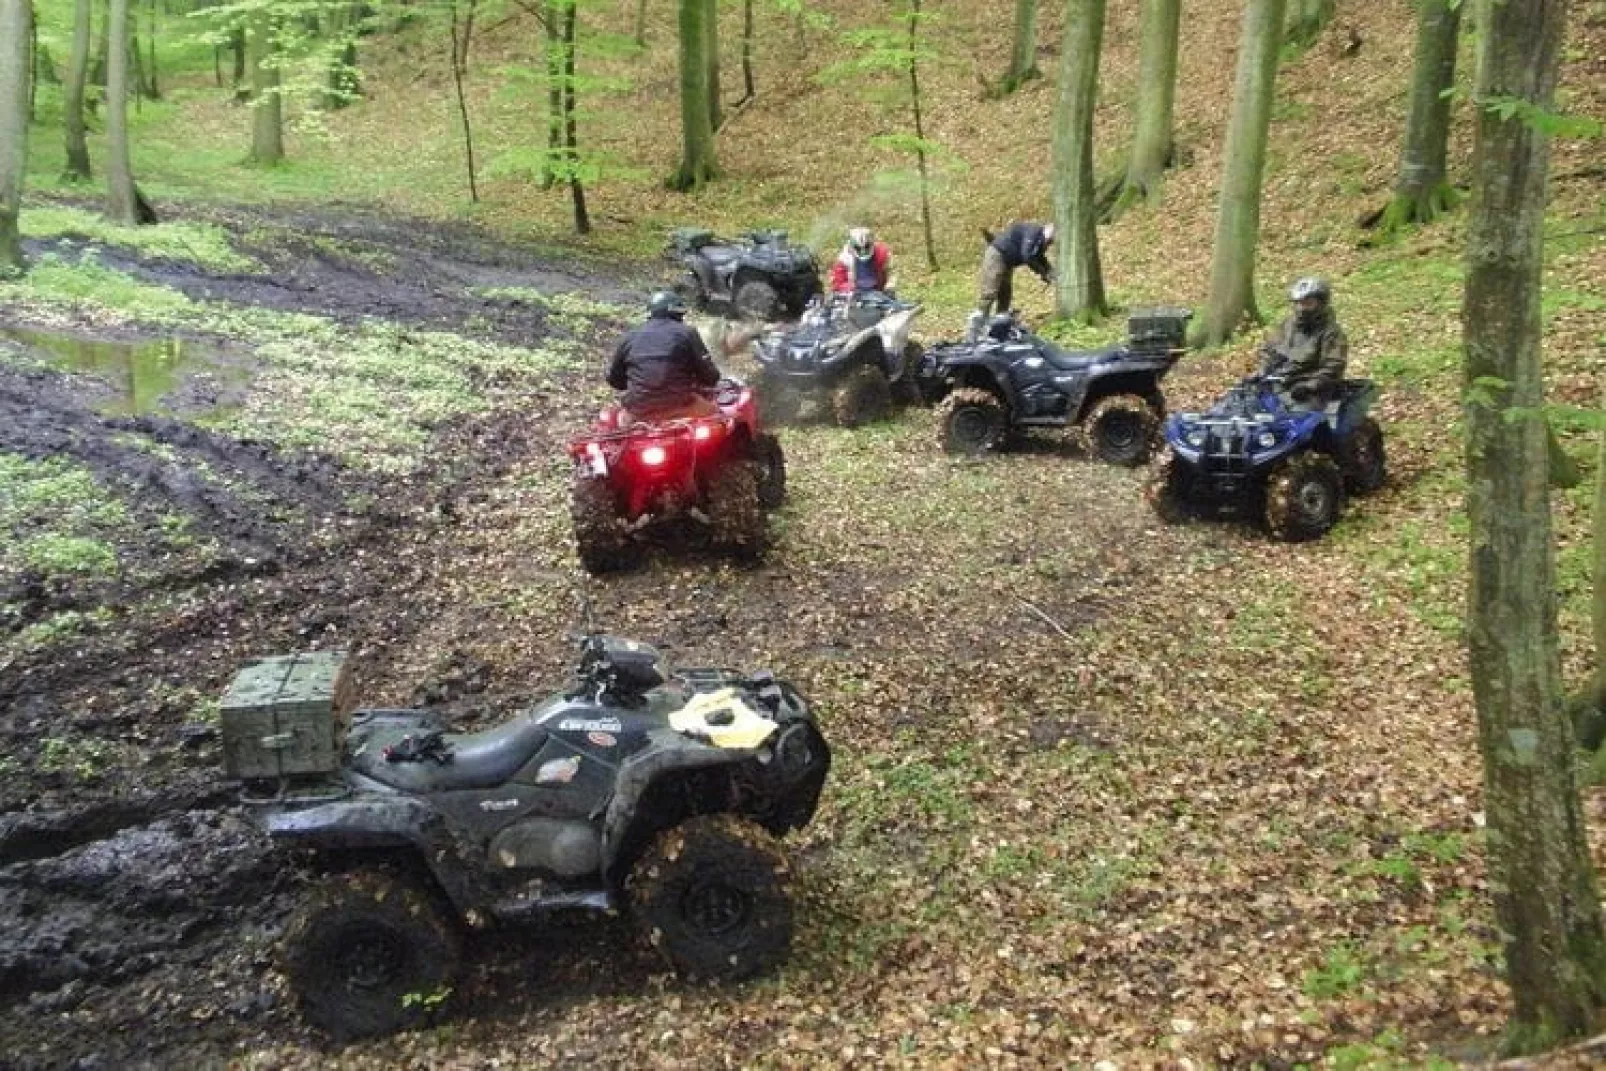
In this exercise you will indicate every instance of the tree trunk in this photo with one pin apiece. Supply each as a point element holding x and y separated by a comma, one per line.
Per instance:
<point>711,58</point>
<point>748,92</point>
<point>467,36</point>
<point>154,82</point>
<point>1232,263</point>
<point>77,71</point>
<point>641,23</point>
<point>462,107</point>
<point>267,110</point>
<point>1421,190</point>
<point>97,67</point>
<point>697,164</point>
<point>1079,287</point>
<point>1153,147</point>
<point>577,193</point>
<point>1023,52</point>
<point>550,26</point>
<point>920,139</point>
<point>237,42</point>
<point>1305,20</point>
<point>16,22</point>
<point>1540,874</point>
<point>32,60</point>
<point>122,199</point>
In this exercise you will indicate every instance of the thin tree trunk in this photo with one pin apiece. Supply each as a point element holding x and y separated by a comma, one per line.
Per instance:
<point>97,68</point>
<point>582,220</point>
<point>1079,289</point>
<point>77,71</point>
<point>1023,50</point>
<point>32,60</point>
<point>456,60</point>
<point>553,56</point>
<point>920,138</point>
<point>267,115</point>
<point>154,82</point>
<point>1540,873</point>
<point>1232,264</point>
<point>748,92</point>
<point>1153,145</point>
<point>16,31</point>
<point>711,58</point>
<point>237,42</point>
<point>467,36</point>
<point>122,199</point>
<point>1421,190</point>
<point>641,23</point>
<point>697,164</point>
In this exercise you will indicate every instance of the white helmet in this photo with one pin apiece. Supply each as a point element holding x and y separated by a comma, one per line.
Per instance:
<point>862,241</point>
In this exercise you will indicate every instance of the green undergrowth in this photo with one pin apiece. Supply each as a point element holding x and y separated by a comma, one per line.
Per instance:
<point>370,393</point>
<point>59,521</point>
<point>203,244</point>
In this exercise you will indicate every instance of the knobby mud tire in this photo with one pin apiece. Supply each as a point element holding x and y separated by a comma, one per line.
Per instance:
<point>1122,429</point>
<point>757,300</point>
<point>371,953</point>
<point>1169,489</point>
<point>771,463</point>
<point>736,518</point>
<point>711,896</point>
<point>600,539</point>
<point>863,397</point>
<point>971,421</point>
<point>1363,460</point>
<point>1304,497</point>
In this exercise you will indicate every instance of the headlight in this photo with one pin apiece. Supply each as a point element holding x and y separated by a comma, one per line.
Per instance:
<point>1265,440</point>
<point>1195,437</point>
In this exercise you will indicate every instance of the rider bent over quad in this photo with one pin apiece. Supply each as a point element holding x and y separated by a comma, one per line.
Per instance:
<point>663,366</point>
<point>1308,348</point>
<point>863,264</point>
<point>1018,245</point>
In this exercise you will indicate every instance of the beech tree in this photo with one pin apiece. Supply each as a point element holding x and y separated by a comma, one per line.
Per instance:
<point>1023,49</point>
<point>16,33</point>
<point>1421,190</point>
<point>1079,282</point>
<point>697,164</point>
<point>73,97</point>
<point>1305,20</point>
<point>1540,874</point>
<point>1232,263</point>
<point>1153,143</point>
<point>124,204</point>
<point>267,108</point>
<point>711,60</point>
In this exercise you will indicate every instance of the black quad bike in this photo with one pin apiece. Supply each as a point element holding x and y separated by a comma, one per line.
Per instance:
<point>1003,379</point>
<point>760,276</point>
<point>656,795</point>
<point>853,355</point>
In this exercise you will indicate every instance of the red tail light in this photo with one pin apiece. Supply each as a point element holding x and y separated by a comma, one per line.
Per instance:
<point>652,456</point>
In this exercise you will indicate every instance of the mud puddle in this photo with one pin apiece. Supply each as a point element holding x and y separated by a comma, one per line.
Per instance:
<point>170,376</point>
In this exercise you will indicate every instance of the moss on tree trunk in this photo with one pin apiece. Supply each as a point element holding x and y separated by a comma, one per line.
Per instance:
<point>1232,264</point>
<point>697,133</point>
<point>1079,284</point>
<point>1421,190</point>
<point>1153,146</point>
<point>16,20</point>
<point>77,168</point>
<point>1023,48</point>
<point>1540,873</point>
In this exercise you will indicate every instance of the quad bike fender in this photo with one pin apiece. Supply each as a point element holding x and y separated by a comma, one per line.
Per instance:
<point>1121,373</point>
<point>664,762</point>
<point>970,371</point>
<point>363,820</point>
<point>894,333</point>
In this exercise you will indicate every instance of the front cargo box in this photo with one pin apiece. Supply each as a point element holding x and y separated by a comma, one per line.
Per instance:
<point>286,716</point>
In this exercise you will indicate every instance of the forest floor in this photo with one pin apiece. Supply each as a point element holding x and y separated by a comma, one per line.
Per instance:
<point>1104,790</point>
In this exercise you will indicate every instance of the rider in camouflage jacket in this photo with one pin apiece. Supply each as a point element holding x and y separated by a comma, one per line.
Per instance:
<point>1309,348</point>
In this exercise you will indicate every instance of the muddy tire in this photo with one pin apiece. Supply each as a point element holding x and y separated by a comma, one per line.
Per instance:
<point>370,954</point>
<point>757,300</point>
<point>690,290</point>
<point>1168,490</point>
<point>599,539</point>
<point>971,421</point>
<point>711,896</point>
<point>905,389</point>
<point>863,397</point>
<point>736,519</point>
<point>1122,429</point>
<point>770,461</point>
<point>1304,496</point>
<point>1362,460</point>
<point>777,402</point>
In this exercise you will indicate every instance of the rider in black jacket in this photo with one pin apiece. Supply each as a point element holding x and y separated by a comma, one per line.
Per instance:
<point>663,366</point>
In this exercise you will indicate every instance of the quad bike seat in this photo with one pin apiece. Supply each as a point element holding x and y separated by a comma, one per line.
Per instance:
<point>719,254</point>
<point>1074,360</point>
<point>467,760</point>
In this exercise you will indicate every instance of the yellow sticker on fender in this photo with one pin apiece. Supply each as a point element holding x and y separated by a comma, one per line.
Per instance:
<point>723,719</point>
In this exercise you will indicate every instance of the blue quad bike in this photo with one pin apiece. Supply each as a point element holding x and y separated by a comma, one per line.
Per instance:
<point>1254,453</point>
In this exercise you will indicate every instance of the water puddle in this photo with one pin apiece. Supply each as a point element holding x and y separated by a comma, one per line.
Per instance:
<point>168,376</point>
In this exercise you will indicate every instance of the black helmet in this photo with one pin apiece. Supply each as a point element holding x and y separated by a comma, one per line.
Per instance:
<point>1310,287</point>
<point>666,303</point>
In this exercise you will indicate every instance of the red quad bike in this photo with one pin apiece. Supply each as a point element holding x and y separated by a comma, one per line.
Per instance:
<point>719,470</point>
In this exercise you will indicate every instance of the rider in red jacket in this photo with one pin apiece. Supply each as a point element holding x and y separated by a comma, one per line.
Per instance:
<point>863,264</point>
